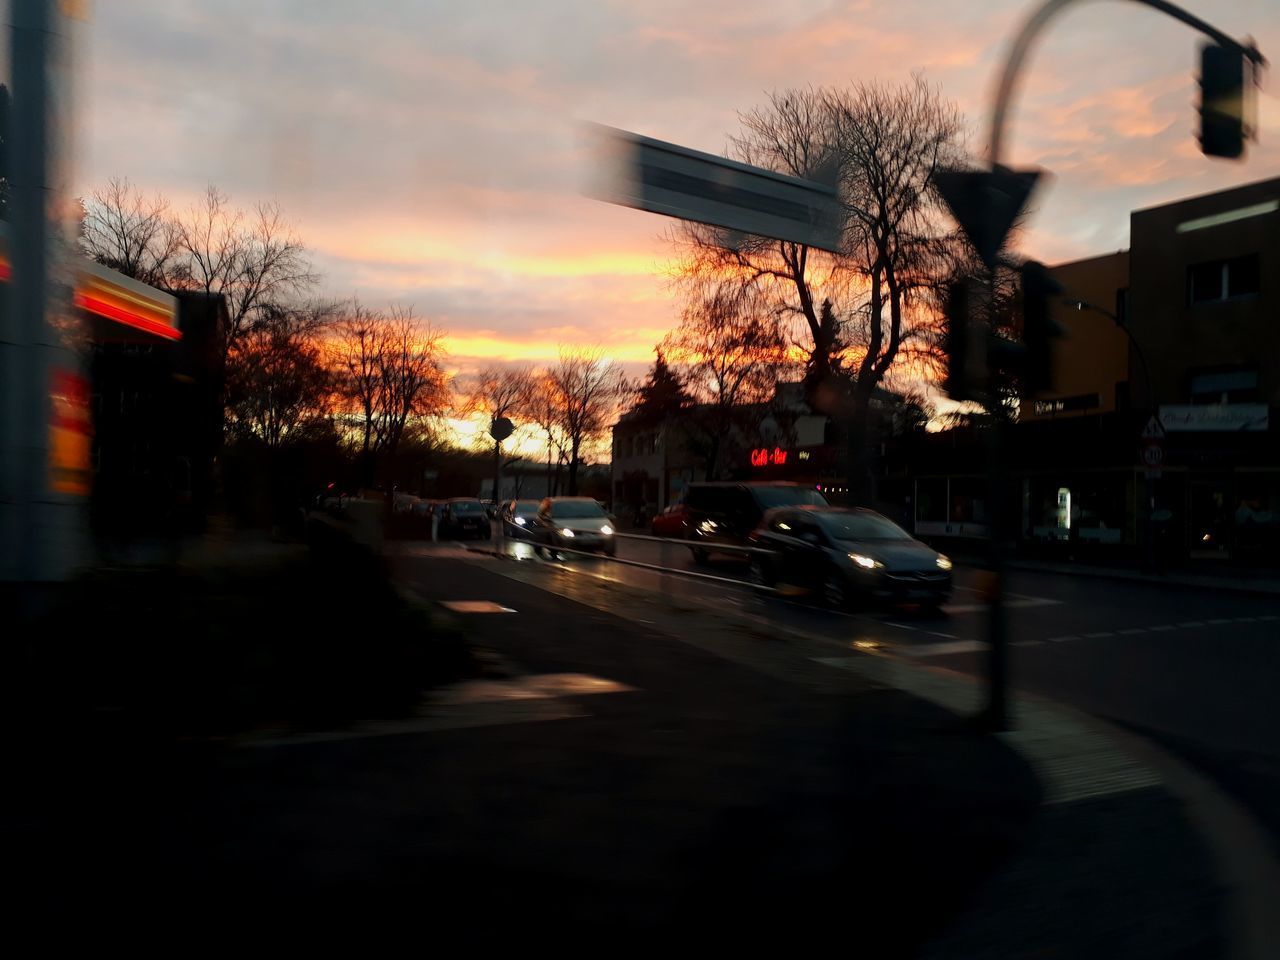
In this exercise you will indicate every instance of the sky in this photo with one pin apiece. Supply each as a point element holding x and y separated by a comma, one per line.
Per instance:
<point>433,153</point>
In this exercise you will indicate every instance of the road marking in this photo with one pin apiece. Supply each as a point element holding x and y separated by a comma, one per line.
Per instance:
<point>943,649</point>
<point>1027,643</point>
<point>1191,623</point>
<point>1246,619</point>
<point>1129,631</point>
<point>1163,628</point>
<point>1018,603</point>
<point>1269,617</point>
<point>475,606</point>
<point>1217,623</point>
<point>1099,633</point>
<point>1069,636</point>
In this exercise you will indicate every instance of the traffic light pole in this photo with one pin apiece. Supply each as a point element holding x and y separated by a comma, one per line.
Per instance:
<point>1051,8</point>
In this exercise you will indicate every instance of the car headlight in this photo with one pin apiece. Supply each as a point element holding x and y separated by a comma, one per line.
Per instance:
<point>944,563</point>
<point>566,532</point>
<point>607,530</point>
<point>867,563</point>
<point>708,526</point>
<point>520,521</point>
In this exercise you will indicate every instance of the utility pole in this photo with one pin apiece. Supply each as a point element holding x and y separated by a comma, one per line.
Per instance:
<point>44,420</point>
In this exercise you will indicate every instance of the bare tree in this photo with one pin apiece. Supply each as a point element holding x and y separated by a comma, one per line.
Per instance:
<point>497,392</point>
<point>389,375</point>
<point>278,385</point>
<point>857,312</point>
<point>132,233</point>
<point>584,388</point>
<point>732,350</point>
<point>544,410</point>
<point>252,259</point>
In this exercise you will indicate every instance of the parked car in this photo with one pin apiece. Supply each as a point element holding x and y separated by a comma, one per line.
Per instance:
<point>463,518</point>
<point>576,523</point>
<point>517,515</point>
<point>727,513</point>
<point>673,522</point>
<point>842,554</point>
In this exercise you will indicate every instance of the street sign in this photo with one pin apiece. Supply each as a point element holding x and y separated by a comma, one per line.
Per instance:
<point>501,428</point>
<point>1153,430</point>
<point>1153,456</point>
<point>985,203</point>
<point>675,181</point>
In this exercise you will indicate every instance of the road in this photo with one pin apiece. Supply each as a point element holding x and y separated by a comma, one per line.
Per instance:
<point>1194,669</point>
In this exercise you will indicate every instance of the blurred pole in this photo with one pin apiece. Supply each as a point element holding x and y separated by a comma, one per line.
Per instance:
<point>995,715</point>
<point>43,515</point>
<point>497,487</point>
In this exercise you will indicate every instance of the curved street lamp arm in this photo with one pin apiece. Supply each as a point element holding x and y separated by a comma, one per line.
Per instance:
<point>1036,22</point>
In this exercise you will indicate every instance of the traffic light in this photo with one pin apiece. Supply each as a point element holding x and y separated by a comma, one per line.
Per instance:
<point>966,341</point>
<point>1039,329</point>
<point>1223,94</point>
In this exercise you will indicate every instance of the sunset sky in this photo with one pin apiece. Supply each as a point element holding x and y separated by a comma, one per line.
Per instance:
<point>432,152</point>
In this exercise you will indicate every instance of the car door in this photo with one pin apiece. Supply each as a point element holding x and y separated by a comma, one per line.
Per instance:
<point>778,536</point>
<point>809,554</point>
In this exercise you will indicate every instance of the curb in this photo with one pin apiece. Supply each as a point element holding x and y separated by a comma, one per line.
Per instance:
<point>1080,757</point>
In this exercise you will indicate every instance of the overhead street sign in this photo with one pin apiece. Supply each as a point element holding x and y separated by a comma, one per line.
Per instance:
<point>985,203</point>
<point>691,185</point>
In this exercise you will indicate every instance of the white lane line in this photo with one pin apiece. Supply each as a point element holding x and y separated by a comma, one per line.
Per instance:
<point>1163,627</point>
<point>943,649</point>
<point>1100,633</point>
<point>1269,617</point>
<point>1216,623</point>
<point>1191,623</point>
<point>1246,619</point>
<point>1064,639</point>
<point>1027,643</point>
<point>1129,631</point>
<point>915,629</point>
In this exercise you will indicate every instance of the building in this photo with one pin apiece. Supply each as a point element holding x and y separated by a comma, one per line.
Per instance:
<point>1162,409</point>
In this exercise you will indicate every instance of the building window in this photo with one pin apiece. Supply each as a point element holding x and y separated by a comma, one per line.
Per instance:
<point>1217,280</point>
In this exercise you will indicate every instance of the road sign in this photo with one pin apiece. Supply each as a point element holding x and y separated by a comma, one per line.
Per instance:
<point>985,203</point>
<point>501,428</point>
<point>1153,456</point>
<point>1154,430</point>
<point>691,185</point>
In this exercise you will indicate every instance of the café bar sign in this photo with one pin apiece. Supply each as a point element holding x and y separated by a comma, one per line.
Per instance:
<point>767,457</point>
<point>1214,417</point>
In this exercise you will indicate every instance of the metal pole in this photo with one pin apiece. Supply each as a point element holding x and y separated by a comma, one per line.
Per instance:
<point>995,715</point>
<point>42,522</point>
<point>1037,21</point>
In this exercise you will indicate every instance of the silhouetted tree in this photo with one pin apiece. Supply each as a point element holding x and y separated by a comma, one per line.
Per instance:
<point>661,394</point>
<point>583,388</point>
<point>857,312</point>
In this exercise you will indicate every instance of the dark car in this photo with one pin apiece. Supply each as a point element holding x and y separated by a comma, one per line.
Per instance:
<point>572,523</point>
<point>727,513</point>
<point>843,554</point>
<point>463,518</point>
<point>517,516</point>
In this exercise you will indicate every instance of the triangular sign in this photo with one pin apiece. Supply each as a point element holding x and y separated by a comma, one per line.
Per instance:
<point>1153,430</point>
<point>985,203</point>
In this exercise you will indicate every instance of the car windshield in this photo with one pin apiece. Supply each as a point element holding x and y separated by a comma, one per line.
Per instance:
<point>526,508</point>
<point>467,506</point>
<point>573,509</point>
<point>862,526</point>
<point>789,497</point>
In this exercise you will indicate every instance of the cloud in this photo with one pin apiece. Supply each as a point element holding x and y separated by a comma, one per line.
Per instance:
<point>432,152</point>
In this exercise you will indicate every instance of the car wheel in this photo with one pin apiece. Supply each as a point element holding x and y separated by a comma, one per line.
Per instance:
<point>835,592</point>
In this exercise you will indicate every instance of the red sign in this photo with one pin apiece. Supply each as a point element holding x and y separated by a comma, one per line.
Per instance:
<point>764,457</point>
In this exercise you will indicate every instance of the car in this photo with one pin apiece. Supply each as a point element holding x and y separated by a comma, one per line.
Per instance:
<point>463,517</point>
<point>842,554</point>
<point>727,513</point>
<point>572,523</point>
<point>671,522</point>
<point>516,517</point>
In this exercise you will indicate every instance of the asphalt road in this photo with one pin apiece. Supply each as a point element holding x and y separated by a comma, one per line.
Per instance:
<point>1195,669</point>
